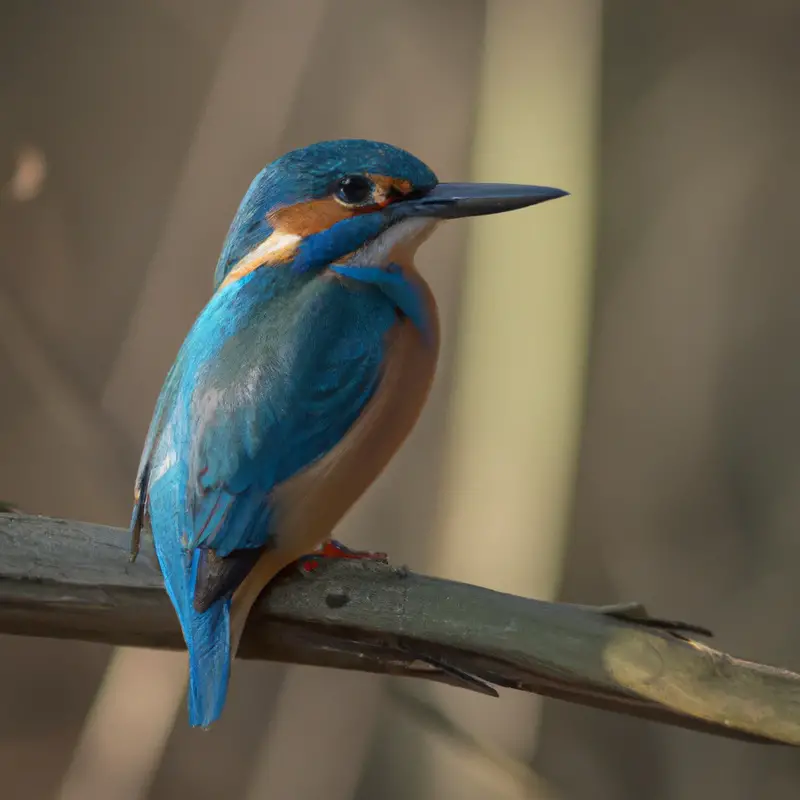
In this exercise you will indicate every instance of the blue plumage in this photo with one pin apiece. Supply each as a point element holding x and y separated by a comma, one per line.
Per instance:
<point>309,173</point>
<point>278,369</point>
<point>332,244</point>
<point>271,376</point>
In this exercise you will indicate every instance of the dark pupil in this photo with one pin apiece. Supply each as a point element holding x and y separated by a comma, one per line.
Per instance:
<point>354,189</point>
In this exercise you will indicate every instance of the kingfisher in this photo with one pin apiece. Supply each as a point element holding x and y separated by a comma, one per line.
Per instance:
<point>297,383</point>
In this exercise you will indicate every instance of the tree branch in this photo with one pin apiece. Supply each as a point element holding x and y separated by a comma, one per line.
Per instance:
<point>73,580</point>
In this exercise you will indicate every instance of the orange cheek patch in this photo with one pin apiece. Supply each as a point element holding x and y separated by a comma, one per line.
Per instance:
<point>306,219</point>
<point>292,224</point>
<point>315,216</point>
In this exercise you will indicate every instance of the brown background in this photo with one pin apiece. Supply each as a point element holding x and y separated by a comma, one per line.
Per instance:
<point>149,119</point>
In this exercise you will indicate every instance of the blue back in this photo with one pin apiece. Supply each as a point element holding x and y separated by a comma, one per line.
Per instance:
<point>275,370</point>
<point>273,373</point>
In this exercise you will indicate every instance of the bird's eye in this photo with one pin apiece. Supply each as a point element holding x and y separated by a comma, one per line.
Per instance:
<point>354,190</point>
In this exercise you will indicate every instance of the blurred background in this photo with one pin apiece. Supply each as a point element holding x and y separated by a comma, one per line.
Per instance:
<point>615,413</point>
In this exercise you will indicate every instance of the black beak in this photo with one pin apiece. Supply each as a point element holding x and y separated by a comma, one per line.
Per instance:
<point>451,200</point>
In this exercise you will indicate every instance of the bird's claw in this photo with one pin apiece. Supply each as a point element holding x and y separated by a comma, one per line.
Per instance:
<point>332,548</point>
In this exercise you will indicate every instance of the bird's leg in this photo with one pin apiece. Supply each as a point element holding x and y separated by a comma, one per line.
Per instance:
<point>331,548</point>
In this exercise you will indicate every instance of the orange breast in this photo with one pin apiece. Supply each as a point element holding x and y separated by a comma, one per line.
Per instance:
<point>308,506</point>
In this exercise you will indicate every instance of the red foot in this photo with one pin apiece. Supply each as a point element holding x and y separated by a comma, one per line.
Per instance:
<point>333,549</point>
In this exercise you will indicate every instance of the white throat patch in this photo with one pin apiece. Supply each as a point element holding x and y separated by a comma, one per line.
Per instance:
<point>378,252</point>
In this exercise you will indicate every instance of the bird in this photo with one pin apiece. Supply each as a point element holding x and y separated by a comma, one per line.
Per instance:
<point>297,383</point>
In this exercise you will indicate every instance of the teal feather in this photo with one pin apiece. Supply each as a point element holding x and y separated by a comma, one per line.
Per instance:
<point>273,373</point>
<point>276,369</point>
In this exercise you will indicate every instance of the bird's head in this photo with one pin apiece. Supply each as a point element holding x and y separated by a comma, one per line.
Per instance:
<point>350,200</point>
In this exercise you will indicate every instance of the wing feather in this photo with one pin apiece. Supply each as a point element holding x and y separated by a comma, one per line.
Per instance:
<point>267,383</point>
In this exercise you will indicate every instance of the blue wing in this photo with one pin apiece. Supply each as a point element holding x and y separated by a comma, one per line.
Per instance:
<point>165,400</point>
<point>276,369</point>
<point>283,389</point>
<point>266,383</point>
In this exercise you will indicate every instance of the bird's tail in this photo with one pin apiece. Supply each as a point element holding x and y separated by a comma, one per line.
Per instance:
<point>213,637</point>
<point>207,634</point>
<point>209,644</point>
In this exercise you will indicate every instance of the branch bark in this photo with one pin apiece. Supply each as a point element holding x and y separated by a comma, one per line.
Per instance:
<point>73,580</point>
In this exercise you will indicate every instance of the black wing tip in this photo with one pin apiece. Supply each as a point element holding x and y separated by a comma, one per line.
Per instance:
<point>139,508</point>
<point>219,576</point>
